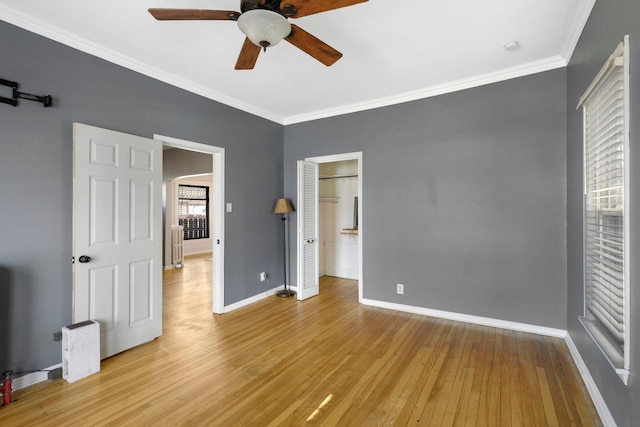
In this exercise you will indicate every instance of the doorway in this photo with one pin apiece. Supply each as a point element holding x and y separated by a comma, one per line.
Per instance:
<point>217,212</point>
<point>338,219</point>
<point>339,211</point>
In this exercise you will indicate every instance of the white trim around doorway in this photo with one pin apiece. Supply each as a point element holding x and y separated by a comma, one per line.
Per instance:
<point>218,211</point>
<point>357,155</point>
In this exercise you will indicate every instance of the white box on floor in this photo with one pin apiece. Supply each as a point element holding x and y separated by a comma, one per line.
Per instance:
<point>80,350</point>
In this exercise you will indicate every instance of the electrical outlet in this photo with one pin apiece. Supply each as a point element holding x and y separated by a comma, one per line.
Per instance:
<point>263,276</point>
<point>400,289</point>
<point>57,336</point>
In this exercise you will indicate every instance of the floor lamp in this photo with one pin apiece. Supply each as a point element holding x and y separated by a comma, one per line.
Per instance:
<point>283,206</point>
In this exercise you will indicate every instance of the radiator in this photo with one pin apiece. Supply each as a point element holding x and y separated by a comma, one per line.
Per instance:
<point>177,245</point>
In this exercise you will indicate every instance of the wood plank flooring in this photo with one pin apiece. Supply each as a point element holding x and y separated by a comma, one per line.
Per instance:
<point>327,361</point>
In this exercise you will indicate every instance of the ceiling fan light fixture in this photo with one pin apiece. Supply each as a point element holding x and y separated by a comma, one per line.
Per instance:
<point>263,27</point>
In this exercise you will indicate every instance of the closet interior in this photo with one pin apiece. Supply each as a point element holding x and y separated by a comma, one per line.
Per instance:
<point>338,219</point>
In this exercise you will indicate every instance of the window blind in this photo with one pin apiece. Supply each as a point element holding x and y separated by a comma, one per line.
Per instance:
<point>604,113</point>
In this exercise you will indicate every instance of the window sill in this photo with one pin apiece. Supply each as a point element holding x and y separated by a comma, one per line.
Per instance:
<point>611,351</point>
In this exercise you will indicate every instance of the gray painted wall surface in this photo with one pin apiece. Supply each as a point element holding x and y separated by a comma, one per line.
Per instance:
<point>36,181</point>
<point>610,20</point>
<point>177,163</point>
<point>463,198</point>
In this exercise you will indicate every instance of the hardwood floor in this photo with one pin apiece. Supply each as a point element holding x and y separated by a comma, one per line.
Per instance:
<point>326,361</point>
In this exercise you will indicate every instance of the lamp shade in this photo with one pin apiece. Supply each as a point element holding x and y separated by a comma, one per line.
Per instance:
<point>283,206</point>
<point>264,27</point>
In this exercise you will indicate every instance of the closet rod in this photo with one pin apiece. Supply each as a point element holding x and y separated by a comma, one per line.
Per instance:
<point>338,176</point>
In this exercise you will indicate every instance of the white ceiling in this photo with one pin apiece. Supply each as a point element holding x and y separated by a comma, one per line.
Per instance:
<point>394,50</point>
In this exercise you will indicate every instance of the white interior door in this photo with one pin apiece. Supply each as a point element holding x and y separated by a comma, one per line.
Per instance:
<point>117,242</point>
<point>308,281</point>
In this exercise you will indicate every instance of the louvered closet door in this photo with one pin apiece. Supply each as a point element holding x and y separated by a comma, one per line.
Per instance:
<point>308,284</point>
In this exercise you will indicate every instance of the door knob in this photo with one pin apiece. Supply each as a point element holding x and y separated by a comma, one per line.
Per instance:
<point>84,259</point>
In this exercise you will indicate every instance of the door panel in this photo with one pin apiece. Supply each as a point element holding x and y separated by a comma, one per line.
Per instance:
<point>117,223</point>
<point>103,208</point>
<point>141,291</point>
<point>141,159</point>
<point>308,282</point>
<point>103,286</point>
<point>141,214</point>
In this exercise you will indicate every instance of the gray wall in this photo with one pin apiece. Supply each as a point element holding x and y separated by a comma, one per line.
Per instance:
<point>463,198</point>
<point>36,181</point>
<point>177,162</point>
<point>610,20</point>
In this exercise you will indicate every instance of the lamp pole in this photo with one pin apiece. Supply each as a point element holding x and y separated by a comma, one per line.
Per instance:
<point>283,206</point>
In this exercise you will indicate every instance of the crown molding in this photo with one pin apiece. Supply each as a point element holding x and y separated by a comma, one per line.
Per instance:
<point>80,43</point>
<point>577,23</point>
<point>576,26</point>
<point>480,80</point>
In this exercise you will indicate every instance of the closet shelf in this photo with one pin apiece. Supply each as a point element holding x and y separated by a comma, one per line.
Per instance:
<point>349,231</point>
<point>329,199</point>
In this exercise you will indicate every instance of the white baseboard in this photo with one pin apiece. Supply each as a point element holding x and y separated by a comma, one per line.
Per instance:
<point>33,377</point>
<point>592,388</point>
<point>343,272</point>
<point>204,251</point>
<point>468,318</point>
<point>253,299</point>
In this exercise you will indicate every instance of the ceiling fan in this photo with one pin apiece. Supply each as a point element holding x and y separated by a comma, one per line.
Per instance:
<point>265,23</point>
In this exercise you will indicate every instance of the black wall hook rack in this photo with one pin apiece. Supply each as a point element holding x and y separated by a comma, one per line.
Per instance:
<point>46,100</point>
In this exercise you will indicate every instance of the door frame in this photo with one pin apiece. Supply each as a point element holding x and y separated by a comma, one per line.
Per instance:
<point>218,200</point>
<point>356,155</point>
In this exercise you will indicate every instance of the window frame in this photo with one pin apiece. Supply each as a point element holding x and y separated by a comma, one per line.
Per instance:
<point>208,218</point>
<point>619,359</point>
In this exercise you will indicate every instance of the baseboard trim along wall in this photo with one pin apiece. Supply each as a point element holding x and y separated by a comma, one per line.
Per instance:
<point>255,298</point>
<point>33,377</point>
<point>468,318</point>
<point>598,401</point>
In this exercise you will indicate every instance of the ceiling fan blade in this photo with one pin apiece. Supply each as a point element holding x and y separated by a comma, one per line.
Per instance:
<point>309,7</point>
<point>248,55</point>
<point>194,14</point>
<point>313,46</point>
